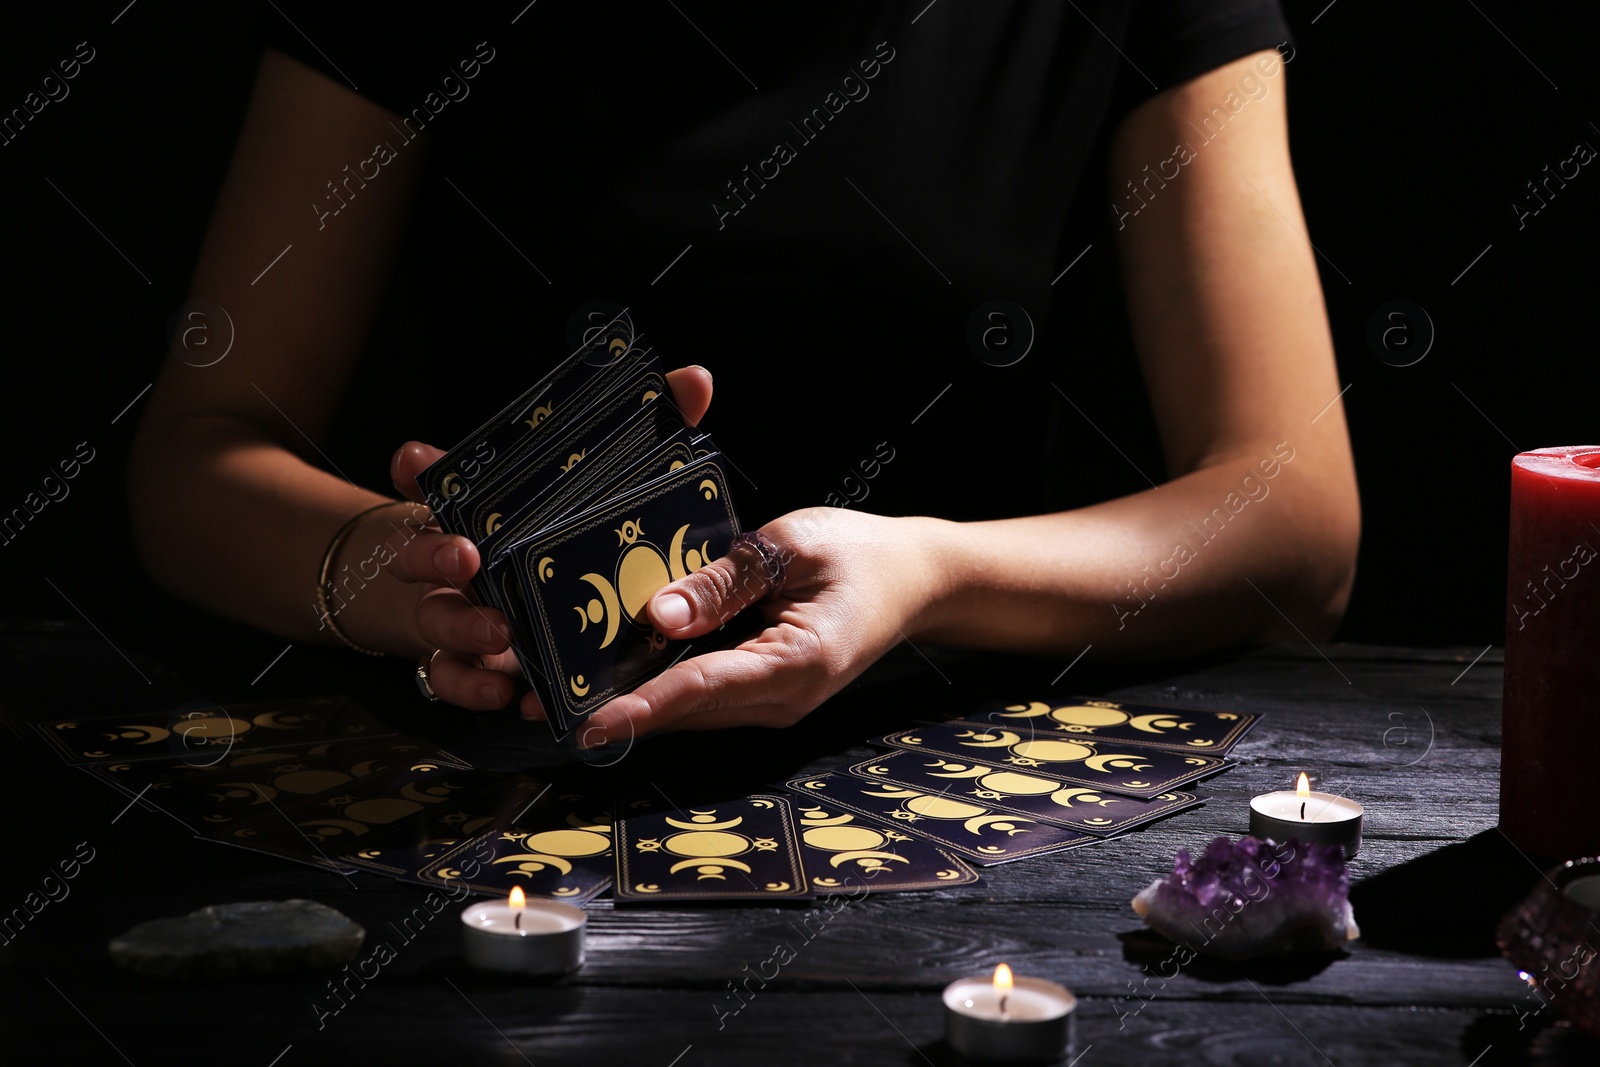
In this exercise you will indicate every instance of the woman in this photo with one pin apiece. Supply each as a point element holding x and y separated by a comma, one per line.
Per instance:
<point>828,167</point>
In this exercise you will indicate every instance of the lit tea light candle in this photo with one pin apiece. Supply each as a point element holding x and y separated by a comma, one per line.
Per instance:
<point>1304,815</point>
<point>542,937</point>
<point>1006,1018</point>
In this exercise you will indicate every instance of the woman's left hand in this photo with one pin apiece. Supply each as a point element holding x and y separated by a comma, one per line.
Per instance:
<point>854,586</point>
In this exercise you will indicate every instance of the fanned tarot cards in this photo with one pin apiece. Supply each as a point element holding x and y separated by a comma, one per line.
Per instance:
<point>585,496</point>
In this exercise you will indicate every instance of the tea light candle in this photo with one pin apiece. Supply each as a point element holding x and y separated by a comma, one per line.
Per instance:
<point>543,937</point>
<point>1007,1019</point>
<point>1302,815</point>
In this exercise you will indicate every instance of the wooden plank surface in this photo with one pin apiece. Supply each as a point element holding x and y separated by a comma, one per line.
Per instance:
<point>1404,731</point>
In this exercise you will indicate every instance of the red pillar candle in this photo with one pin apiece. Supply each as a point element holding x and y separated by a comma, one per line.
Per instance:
<point>1550,747</point>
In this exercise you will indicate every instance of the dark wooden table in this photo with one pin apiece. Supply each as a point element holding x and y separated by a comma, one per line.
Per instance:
<point>1412,734</point>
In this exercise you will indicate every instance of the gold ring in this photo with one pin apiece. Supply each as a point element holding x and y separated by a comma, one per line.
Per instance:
<point>424,679</point>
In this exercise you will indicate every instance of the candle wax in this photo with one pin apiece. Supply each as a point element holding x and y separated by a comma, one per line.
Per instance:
<point>1319,807</point>
<point>1551,713</point>
<point>1022,1005</point>
<point>502,919</point>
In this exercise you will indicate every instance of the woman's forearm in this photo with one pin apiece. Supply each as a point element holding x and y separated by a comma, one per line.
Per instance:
<point>236,524</point>
<point>1257,546</point>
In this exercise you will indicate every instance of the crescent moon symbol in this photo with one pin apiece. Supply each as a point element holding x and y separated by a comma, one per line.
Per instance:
<point>613,604</point>
<point>735,821</point>
<point>715,866</point>
<point>989,739</point>
<point>1153,724</point>
<point>841,858</point>
<point>535,858</point>
<point>1123,760</point>
<point>675,554</point>
<point>709,488</point>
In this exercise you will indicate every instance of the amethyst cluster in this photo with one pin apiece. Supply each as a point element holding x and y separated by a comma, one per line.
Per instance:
<point>1253,898</point>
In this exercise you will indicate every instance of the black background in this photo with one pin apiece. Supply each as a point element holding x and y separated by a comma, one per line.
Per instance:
<point>1413,128</point>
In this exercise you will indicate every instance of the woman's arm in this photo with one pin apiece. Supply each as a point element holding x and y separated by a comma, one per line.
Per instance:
<point>1254,536</point>
<point>233,501</point>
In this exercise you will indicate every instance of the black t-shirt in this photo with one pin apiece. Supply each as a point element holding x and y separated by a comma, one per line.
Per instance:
<point>819,202</point>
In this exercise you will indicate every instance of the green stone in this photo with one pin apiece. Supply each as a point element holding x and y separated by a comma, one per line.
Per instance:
<point>228,940</point>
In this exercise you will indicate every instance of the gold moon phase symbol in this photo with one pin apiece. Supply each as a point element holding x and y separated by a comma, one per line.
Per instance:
<point>450,485</point>
<point>640,575</point>
<point>1052,751</point>
<point>942,807</point>
<point>649,395</point>
<point>1029,710</point>
<point>568,842</point>
<point>528,862</point>
<point>1024,785</point>
<point>1121,760</point>
<point>1153,724</point>
<point>989,738</point>
<point>958,770</point>
<point>1006,824</point>
<point>708,844</point>
<point>546,569</point>
<point>610,607</point>
<point>866,858</point>
<point>579,687</point>
<point>492,523</point>
<point>709,488</point>
<point>675,554</point>
<point>818,817</point>
<point>1083,715</point>
<point>843,838</point>
<point>707,824</point>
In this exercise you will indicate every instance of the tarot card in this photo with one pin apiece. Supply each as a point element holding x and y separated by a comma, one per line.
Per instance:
<point>1032,794</point>
<point>1177,729</point>
<point>980,834</point>
<point>347,818</point>
<point>241,785</point>
<point>501,571</point>
<point>413,845</point>
<point>536,414</point>
<point>642,432</point>
<point>202,733</point>
<point>1115,766</point>
<point>532,469</point>
<point>737,850</point>
<point>559,846</point>
<point>587,581</point>
<point>845,852</point>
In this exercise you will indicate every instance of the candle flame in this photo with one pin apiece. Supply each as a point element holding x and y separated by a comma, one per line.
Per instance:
<point>1002,981</point>
<point>518,900</point>
<point>1302,788</point>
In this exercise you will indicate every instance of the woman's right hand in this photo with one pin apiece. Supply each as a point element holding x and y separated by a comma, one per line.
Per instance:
<point>474,667</point>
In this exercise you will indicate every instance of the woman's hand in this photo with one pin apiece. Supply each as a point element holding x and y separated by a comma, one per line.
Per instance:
<point>474,666</point>
<point>855,586</point>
